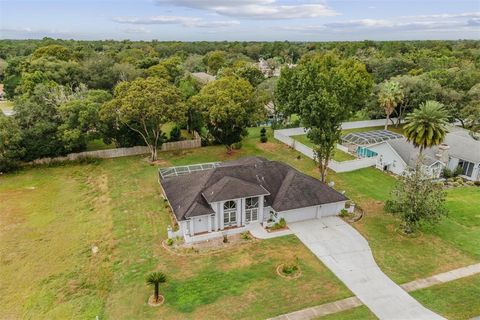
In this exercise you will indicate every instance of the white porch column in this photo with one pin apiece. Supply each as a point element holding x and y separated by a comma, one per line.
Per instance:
<point>260,208</point>
<point>192,230</point>
<point>240,210</point>
<point>221,216</point>
<point>210,223</point>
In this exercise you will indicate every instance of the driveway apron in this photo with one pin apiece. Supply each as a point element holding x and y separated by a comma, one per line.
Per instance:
<point>347,254</point>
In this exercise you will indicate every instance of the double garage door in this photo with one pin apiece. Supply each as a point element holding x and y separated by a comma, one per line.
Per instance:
<point>309,213</point>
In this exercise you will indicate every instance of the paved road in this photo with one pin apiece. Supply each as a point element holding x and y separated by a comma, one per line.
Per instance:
<point>344,251</point>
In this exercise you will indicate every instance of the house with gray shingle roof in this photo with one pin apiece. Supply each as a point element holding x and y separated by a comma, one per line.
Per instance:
<point>459,149</point>
<point>253,190</point>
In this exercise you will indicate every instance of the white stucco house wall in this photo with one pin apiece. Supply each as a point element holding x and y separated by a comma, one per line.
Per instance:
<point>229,198</point>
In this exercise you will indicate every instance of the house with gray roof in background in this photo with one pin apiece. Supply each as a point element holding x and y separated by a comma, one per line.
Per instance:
<point>459,149</point>
<point>231,196</point>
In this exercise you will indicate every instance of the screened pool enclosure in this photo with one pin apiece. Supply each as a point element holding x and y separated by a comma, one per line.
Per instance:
<point>369,137</point>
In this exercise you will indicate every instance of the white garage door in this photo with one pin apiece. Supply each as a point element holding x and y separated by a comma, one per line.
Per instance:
<point>299,214</point>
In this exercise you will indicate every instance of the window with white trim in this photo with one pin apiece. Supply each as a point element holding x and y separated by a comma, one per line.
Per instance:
<point>251,209</point>
<point>467,167</point>
<point>229,213</point>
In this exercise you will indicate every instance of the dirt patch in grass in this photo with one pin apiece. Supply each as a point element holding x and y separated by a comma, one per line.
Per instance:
<point>268,146</point>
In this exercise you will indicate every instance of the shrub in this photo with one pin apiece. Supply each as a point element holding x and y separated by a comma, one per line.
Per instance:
<point>343,213</point>
<point>263,135</point>
<point>175,134</point>
<point>237,145</point>
<point>280,224</point>
<point>289,269</point>
<point>447,173</point>
<point>477,183</point>
<point>470,183</point>
<point>170,242</point>
<point>458,171</point>
<point>245,236</point>
<point>225,239</point>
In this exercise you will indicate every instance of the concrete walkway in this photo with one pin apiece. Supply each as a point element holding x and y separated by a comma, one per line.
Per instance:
<point>260,233</point>
<point>353,302</point>
<point>347,254</point>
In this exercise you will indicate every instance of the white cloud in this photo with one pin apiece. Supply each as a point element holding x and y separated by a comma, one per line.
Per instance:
<point>256,9</point>
<point>181,20</point>
<point>446,22</point>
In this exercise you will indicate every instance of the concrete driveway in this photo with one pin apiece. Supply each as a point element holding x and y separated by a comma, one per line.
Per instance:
<point>344,251</point>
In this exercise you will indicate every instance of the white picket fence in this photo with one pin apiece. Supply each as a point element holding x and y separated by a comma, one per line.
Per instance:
<point>284,135</point>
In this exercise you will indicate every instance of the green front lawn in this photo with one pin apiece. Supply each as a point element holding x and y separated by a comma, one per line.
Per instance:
<point>51,217</point>
<point>458,299</point>
<point>357,313</point>
<point>339,155</point>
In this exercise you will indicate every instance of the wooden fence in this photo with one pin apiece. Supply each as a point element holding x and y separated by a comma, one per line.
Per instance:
<point>124,152</point>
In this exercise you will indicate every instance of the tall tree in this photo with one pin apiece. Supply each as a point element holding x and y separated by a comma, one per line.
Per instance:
<point>426,126</point>
<point>416,199</point>
<point>81,120</point>
<point>11,150</point>
<point>324,90</point>
<point>229,106</point>
<point>389,96</point>
<point>144,106</point>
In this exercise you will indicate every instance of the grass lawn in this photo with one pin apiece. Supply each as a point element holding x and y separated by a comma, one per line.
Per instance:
<point>51,217</point>
<point>98,144</point>
<point>455,300</point>
<point>339,155</point>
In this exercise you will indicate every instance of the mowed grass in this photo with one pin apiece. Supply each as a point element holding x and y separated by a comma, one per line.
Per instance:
<point>357,313</point>
<point>47,233</point>
<point>338,155</point>
<point>455,300</point>
<point>51,218</point>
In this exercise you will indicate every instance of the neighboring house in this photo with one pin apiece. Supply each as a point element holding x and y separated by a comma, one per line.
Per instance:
<point>203,77</point>
<point>232,195</point>
<point>458,149</point>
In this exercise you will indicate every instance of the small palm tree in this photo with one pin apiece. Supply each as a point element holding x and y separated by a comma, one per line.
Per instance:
<point>427,125</point>
<point>154,279</point>
<point>389,96</point>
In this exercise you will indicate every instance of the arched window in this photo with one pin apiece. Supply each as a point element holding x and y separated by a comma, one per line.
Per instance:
<point>229,213</point>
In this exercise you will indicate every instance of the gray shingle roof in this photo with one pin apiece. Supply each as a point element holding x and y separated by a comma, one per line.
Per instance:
<point>407,151</point>
<point>285,188</point>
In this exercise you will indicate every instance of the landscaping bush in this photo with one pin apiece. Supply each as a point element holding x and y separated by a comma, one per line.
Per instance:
<point>263,135</point>
<point>175,134</point>
<point>170,242</point>
<point>447,173</point>
<point>280,224</point>
<point>343,213</point>
<point>458,171</point>
<point>470,183</point>
<point>245,235</point>
<point>237,146</point>
<point>225,239</point>
<point>289,269</point>
<point>477,183</point>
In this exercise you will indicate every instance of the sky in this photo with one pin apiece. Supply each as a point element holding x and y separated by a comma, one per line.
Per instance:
<point>237,20</point>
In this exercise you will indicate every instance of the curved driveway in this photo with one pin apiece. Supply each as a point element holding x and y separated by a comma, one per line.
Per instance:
<point>344,251</point>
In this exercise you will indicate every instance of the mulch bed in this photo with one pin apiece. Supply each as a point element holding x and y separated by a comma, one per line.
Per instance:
<point>152,303</point>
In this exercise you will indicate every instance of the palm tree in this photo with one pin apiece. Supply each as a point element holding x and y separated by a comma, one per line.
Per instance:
<point>154,279</point>
<point>426,126</point>
<point>389,96</point>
